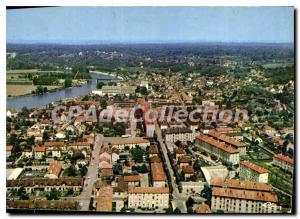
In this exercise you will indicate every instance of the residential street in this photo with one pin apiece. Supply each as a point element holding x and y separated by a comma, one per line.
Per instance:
<point>92,174</point>
<point>178,199</point>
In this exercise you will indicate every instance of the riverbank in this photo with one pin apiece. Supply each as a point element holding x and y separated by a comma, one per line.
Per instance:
<point>16,90</point>
<point>32,101</point>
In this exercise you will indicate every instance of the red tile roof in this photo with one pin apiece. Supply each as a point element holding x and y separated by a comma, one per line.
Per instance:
<point>54,168</point>
<point>254,167</point>
<point>155,159</point>
<point>179,151</point>
<point>238,184</point>
<point>244,194</point>
<point>9,147</point>
<point>188,170</point>
<point>40,149</point>
<point>203,209</point>
<point>107,172</point>
<point>54,144</point>
<point>134,178</point>
<point>184,159</point>
<point>157,172</point>
<point>153,150</point>
<point>104,202</point>
<point>225,138</point>
<point>284,158</point>
<point>217,144</point>
<point>147,190</point>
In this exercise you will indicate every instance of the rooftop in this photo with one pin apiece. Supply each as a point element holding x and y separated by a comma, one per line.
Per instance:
<point>157,172</point>
<point>237,184</point>
<point>133,178</point>
<point>284,158</point>
<point>217,144</point>
<point>143,190</point>
<point>244,194</point>
<point>254,167</point>
<point>104,202</point>
<point>224,138</point>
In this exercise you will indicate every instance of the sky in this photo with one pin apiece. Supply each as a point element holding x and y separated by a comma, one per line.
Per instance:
<point>151,24</point>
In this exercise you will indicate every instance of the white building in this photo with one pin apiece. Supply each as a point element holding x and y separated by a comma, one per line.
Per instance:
<point>284,162</point>
<point>253,172</point>
<point>220,150</point>
<point>179,134</point>
<point>148,197</point>
<point>191,187</point>
<point>235,196</point>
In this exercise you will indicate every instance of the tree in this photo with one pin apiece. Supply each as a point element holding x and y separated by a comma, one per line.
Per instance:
<point>22,194</point>
<point>177,211</point>
<point>70,191</point>
<point>103,103</point>
<point>100,85</point>
<point>68,83</point>
<point>117,169</point>
<point>53,195</point>
<point>137,154</point>
<point>46,136</point>
<point>206,192</point>
<point>70,171</point>
<point>30,140</point>
<point>189,204</point>
<point>197,165</point>
<point>169,210</point>
<point>83,171</point>
<point>39,89</point>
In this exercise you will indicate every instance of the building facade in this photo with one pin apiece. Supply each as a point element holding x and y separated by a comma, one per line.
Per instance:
<point>148,197</point>
<point>253,172</point>
<point>220,150</point>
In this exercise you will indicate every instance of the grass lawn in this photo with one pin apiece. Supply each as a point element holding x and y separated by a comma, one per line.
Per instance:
<point>17,90</point>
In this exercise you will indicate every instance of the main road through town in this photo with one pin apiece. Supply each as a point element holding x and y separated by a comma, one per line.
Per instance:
<point>178,199</point>
<point>91,175</point>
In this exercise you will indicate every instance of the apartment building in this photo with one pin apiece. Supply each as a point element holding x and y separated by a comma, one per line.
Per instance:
<point>222,151</point>
<point>232,132</point>
<point>115,90</point>
<point>159,178</point>
<point>179,134</point>
<point>104,201</point>
<point>235,196</point>
<point>131,142</point>
<point>241,147</point>
<point>253,172</point>
<point>148,197</point>
<point>133,180</point>
<point>284,162</point>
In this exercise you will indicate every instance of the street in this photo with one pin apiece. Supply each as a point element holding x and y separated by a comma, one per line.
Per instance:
<point>91,175</point>
<point>178,199</point>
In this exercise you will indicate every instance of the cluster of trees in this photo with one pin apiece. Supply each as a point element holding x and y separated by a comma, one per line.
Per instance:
<point>52,78</point>
<point>163,56</point>
<point>53,195</point>
<point>137,154</point>
<point>280,75</point>
<point>142,90</point>
<point>40,90</point>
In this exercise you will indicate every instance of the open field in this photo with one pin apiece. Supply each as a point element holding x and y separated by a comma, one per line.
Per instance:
<point>30,71</point>
<point>276,65</point>
<point>17,90</point>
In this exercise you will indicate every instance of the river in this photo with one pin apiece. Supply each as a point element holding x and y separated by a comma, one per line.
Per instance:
<point>31,101</point>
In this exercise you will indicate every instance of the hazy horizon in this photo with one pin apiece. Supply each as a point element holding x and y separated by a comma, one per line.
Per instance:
<point>151,24</point>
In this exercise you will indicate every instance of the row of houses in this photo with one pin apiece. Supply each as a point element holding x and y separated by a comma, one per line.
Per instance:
<point>45,184</point>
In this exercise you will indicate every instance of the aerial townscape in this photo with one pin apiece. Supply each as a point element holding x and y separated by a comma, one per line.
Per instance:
<point>170,128</point>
